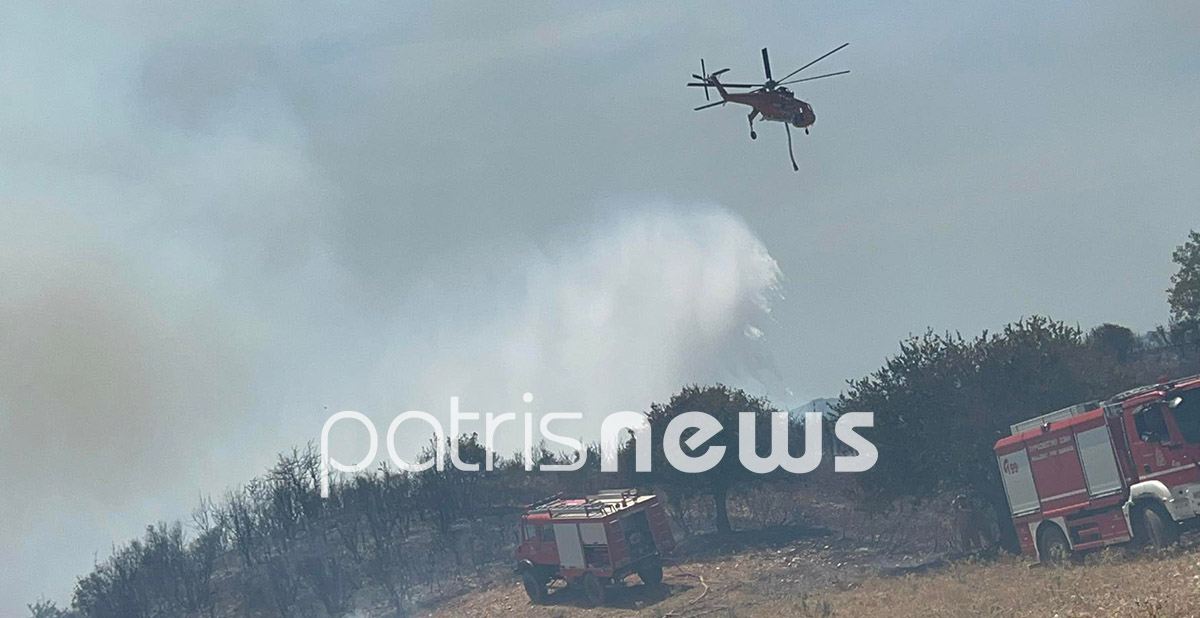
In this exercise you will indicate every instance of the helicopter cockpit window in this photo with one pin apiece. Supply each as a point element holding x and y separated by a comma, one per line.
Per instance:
<point>1151,426</point>
<point>1187,416</point>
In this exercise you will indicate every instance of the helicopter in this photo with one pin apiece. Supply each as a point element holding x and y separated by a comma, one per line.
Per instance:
<point>770,99</point>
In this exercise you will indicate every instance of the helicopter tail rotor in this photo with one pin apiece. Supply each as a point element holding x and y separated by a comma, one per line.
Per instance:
<point>707,81</point>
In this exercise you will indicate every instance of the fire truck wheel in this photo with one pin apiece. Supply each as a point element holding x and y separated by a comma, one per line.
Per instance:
<point>1052,545</point>
<point>593,589</point>
<point>1160,530</point>
<point>534,587</point>
<point>651,574</point>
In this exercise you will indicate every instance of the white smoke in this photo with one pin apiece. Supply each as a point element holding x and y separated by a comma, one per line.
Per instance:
<point>650,299</point>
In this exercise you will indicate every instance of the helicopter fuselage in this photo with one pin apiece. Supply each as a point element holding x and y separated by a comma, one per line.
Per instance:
<point>772,103</point>
<point>776,106</point>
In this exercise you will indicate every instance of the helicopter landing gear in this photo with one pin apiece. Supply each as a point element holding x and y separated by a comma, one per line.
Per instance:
<point>753,114</point>
<point>806,130</point>
<point>753,135</point>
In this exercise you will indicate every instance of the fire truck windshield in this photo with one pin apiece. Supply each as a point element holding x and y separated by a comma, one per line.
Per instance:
<point>1187,416</point>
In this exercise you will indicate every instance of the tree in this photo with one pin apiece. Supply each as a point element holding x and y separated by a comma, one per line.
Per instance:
<point>47,609</point>
<point>1184,294</point>
<point>941,404</point>
<point>450,493</point>
<point>724,404</point>
<point>1113,339</point>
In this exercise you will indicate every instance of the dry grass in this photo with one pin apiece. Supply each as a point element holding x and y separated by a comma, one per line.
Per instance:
<point>1143,587</point>
<point>754,584</point>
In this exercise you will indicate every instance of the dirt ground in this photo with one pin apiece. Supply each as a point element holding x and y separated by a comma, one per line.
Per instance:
<point>720,572</point>
<point>808,577</point>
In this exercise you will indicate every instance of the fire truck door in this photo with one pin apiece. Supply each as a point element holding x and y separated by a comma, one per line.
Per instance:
<point>1159,451</point>
<point>570,548</point>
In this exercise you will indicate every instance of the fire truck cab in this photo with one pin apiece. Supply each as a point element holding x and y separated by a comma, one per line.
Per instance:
<point>1105,472</point>
<point>594,542</point>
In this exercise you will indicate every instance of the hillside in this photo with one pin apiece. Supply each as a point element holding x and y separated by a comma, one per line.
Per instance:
<point>807,579</point>
<point>824,405</point>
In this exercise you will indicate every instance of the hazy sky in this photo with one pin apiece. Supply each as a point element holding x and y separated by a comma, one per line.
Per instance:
<point>220,222</point>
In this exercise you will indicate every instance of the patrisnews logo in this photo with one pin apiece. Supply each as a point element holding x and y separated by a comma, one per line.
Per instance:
<point>705,427</point>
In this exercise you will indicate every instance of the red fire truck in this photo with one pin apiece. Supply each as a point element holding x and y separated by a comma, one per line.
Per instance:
<point>592,542</point>
<point>1105,472</point>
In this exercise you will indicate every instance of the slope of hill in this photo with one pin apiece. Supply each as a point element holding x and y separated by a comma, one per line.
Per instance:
<point>809,581</point>
<point>823,405</point>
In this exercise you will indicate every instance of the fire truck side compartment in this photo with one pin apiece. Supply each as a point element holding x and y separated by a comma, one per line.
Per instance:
<point>570,548</point>
<point>1099,461</point>
<point>1018,482</point>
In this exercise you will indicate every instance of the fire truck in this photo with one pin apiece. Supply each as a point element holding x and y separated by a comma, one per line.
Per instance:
<point>1105,472</point>
<point>592,542</point>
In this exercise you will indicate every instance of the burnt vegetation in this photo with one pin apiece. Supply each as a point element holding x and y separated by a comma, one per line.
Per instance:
<point>388,542</point>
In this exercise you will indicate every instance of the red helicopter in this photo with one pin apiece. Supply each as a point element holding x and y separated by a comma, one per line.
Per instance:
<point>769,99</point>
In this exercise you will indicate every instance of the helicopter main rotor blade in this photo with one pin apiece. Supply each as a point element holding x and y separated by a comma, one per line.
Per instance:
<point>828,54</point>
<point>766,64</point>
<point>710,84</point>
<point>703,71</point>
<point>708,106</point>
<point>809,79</point>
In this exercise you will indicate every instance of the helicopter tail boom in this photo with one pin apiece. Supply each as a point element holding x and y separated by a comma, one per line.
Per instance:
<point>707,80</point>
<point>718,85</point>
